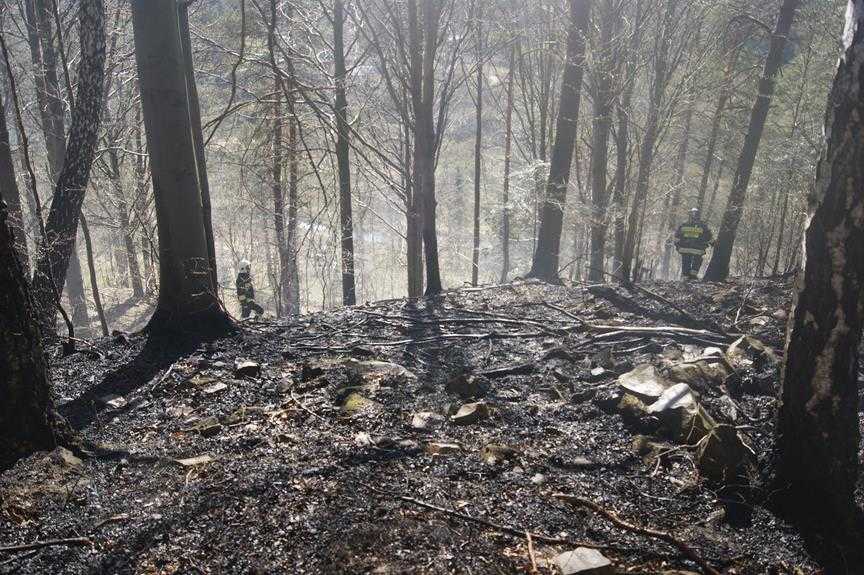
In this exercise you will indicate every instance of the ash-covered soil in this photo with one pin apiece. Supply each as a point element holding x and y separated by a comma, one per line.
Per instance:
<point>311,459</point>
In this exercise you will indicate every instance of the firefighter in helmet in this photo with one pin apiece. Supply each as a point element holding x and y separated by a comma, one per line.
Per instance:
<point>692,240</point>
<point>246,291</point>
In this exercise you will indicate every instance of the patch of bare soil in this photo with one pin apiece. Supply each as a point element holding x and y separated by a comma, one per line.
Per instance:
<point>422,437</point>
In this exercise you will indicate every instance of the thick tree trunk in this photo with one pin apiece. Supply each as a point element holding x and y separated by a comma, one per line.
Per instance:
<point>478,148</point>
<point>198,139</point>
<point>62,223</point>
<point>546,256</point>
<point>188,300</point>
<point>649,139</point>
<point>604,74</point>
<point>818,431</point>
<point>718,268</point>
<point>508,147</point>
<point>27,419</point>
<point>346,216</point>
<point>9,190</point>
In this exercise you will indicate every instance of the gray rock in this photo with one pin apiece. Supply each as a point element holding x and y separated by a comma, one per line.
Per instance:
<point>372,368</point>
<point>426,420</point>
<point>493,454</point>
<point>66,458</point>
<point>644,382</point>
<point>583,561</point>
<point>112,401</point>
<point>247,369</point>
<point>470,413</point>
<point>681,412</point>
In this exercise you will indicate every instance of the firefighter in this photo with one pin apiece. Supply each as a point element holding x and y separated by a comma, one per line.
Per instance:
<point>246,291</point>
<point>692,240</point>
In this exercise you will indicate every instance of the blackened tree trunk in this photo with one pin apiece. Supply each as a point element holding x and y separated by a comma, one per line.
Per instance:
<point>818,432</point>
<point>27,417</point>
<point>508,147</point>
<point>9,189</point>
<point>198,139</point>
<point>346,216</point>
<point>718,268</point>
<point>62,223</point>
<point>425,140</point>
<point>659,83</point>
<point>546,256</point>
<point>188,302</point>
<point>604,72</point>
<point>478,148</point>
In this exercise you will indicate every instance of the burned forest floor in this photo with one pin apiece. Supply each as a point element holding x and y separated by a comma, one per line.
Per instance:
<point>490,430</point>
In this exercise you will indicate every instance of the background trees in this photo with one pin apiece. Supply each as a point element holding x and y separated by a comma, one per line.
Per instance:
<point>322,195</point>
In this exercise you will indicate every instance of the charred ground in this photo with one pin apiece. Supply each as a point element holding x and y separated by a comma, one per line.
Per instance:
<point>311,459</point>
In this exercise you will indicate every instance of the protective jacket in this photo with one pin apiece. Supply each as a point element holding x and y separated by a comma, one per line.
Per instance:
<point>693,238</point>
<point>245,290</point>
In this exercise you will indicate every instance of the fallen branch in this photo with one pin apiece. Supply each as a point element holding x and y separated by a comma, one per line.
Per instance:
<point>68,542</point>
<point>516,532</point>
<point>665,536</point>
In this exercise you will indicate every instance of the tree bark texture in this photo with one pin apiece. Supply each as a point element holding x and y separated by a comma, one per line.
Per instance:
<point>546,255</point>
<point>818,433</point>
<point>26,413</point>
<point>188,302</point>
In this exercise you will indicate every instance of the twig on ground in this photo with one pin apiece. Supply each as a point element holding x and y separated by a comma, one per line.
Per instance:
<point>665,536</point>
<point>531,555</point>
<point>68,542</point>
<point>495,526</point>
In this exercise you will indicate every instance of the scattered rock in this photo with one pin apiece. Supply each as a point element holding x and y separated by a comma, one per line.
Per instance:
<point>436,448</point>
<point>538,479</point>
<point>372,368</point>
<point>780,315</point>
<point>644,382</point>
<point>748,351</point>
<point>599,374</point>
<point>493,454</point>
<point>470,413</point>
<point>195,461</point>
<point>468,386</point>
<point>679,410</point>
<point>356,402</point>
<point>723,454</point>
<point>208,427</point>
<point>247,369</point>
<point>426,420</point>
<point>66,458</point>
<point>635,414</point>
<point>583,561</point>
<point>704,373</point>
<point>215,388</point>
<point>112,401</point>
